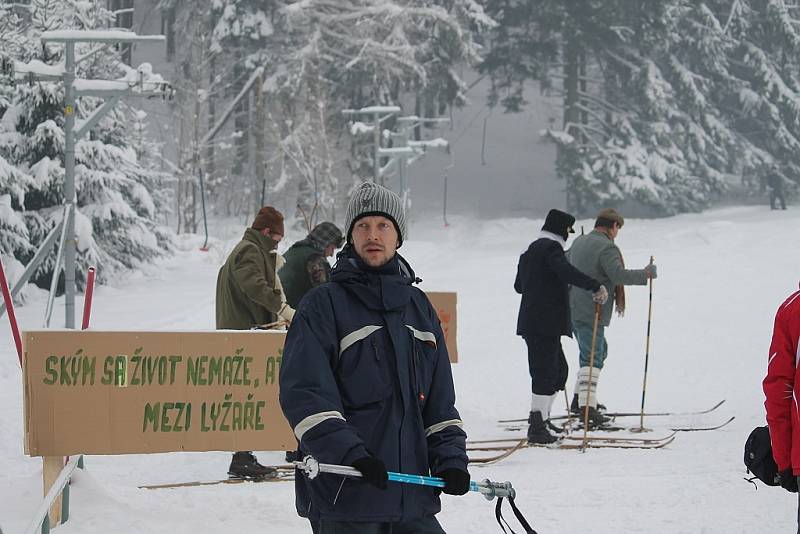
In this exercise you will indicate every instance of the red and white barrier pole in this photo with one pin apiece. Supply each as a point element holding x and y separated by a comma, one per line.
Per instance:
<point>12,318</point>
<point>87,299</point>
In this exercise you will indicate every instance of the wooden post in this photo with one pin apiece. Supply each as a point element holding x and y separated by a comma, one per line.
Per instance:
<point>51,468</point>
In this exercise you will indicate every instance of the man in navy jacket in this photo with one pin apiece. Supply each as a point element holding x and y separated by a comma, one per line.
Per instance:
<point>543,278</point>
<point>366,381</point>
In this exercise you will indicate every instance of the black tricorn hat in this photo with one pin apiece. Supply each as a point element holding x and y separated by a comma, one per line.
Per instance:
<point>559,222</point>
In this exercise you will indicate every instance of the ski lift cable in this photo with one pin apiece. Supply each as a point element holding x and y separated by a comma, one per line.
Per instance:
<point>470,123</point>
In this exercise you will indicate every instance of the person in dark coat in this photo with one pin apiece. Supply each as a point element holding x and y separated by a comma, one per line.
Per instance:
<point>365,381</point>
<point>249,295</point>
<point>543,279</point>
<point>306,264</point>
<point>775,184</point>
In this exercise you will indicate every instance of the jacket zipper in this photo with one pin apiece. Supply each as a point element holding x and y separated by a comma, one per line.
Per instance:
<point>414,366</point>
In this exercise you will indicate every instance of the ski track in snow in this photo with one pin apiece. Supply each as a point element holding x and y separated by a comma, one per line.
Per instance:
<point>722,275</point>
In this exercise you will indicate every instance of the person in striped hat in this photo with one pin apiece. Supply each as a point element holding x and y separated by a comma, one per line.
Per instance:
<point>365,381</point>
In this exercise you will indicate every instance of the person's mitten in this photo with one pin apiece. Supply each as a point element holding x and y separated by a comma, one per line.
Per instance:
<point>373,471</point>
<point>456,481</point>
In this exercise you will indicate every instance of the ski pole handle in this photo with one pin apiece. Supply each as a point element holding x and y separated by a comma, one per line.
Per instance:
<point>312,468</point>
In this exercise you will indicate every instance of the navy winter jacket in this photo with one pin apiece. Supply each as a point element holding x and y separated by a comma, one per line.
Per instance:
<point>543,279</point>
<point>365,372</point>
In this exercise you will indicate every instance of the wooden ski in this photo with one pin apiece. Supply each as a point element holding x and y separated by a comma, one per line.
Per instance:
<point>610,443</point>
<point>625,414</point>
<point>282,475</point>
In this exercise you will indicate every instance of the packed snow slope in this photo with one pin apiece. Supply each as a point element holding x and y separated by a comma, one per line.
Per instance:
<point>722,275</point>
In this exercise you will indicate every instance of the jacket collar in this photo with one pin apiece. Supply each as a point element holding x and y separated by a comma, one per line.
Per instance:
<point>544,234</point>
<point>263,241</point>
<point>599,232</point>
<point>383,288</point>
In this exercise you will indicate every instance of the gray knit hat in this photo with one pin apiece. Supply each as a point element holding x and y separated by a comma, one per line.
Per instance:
<point>373,199</point>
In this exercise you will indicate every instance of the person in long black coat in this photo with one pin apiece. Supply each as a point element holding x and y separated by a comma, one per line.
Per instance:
<point>544,277</point>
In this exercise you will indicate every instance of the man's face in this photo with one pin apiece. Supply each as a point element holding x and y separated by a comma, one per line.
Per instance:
<point>329,250</point>
<point>375,239</point>
<point>614,231</point>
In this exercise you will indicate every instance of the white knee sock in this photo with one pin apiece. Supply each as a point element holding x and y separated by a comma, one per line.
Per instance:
<point>541,404</point>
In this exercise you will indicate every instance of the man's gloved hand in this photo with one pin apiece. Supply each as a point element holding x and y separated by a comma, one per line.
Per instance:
<point>373,471</point>
<point>651,270</point>
<point>456,481</point>
<point>601,295</point>
<point>788,480</point>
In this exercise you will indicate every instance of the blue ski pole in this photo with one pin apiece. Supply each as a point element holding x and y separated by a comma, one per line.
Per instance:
<point>312,468</point>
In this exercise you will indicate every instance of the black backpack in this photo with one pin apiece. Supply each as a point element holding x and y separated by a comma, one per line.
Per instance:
<point>758,457</point>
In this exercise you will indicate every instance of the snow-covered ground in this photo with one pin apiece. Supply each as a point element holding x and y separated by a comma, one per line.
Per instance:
<point>722,275</point>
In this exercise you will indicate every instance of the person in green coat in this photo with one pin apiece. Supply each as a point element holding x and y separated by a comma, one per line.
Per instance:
<point>596,255</point>
<point>249,295</point>
<point>306,264</point>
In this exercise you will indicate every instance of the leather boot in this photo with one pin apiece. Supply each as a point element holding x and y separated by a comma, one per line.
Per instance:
<point>537,430</point>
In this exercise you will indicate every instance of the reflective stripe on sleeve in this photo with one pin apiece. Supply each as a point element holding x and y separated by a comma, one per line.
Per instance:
<point>313,420</point>
<point>433,429</point>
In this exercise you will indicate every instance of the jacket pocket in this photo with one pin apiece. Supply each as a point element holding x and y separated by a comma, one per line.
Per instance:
<point>363,373</point>
<point>423,361</point>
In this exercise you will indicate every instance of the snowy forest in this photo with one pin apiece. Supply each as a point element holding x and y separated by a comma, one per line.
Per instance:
<point>664,104</point>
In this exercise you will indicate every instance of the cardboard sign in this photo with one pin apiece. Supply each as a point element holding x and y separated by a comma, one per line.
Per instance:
<point>445,304</point>
<point>139,392</point>
<point>95,392</point>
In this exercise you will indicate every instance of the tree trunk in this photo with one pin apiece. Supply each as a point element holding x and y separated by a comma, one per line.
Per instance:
<point>571,120</point>
<point>210,163</point>
<point>260,140</point>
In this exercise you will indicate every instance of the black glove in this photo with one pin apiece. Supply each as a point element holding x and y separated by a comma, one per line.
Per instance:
<point>788,480</point>
<point>456,481</point>
<point>373,471</point>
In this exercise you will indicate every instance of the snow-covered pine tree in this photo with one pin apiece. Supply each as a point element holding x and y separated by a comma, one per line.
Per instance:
<point>642,134</point>
<point>661,100</point>
<point>758,81</point>
<point>14,237</point>
<point>157,180</point>
<point>116,213</point>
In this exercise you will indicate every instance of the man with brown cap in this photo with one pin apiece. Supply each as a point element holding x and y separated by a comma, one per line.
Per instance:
<point>249,295</point>
<point>598,256</point>
<point>543,279</point>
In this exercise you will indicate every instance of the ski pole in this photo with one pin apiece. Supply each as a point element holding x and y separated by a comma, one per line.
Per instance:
<point>87,298</point>
<point>312,468</point>
<point>647,347</point>
<point>568,424</point>
<point>12,318</point>
<point>591,368</point>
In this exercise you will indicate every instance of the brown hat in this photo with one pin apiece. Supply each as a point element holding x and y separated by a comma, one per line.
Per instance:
<point>608,217</point>
<point>269,217</point>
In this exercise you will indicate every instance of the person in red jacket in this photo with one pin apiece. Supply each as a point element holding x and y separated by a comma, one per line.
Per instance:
<point>782,387</point>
